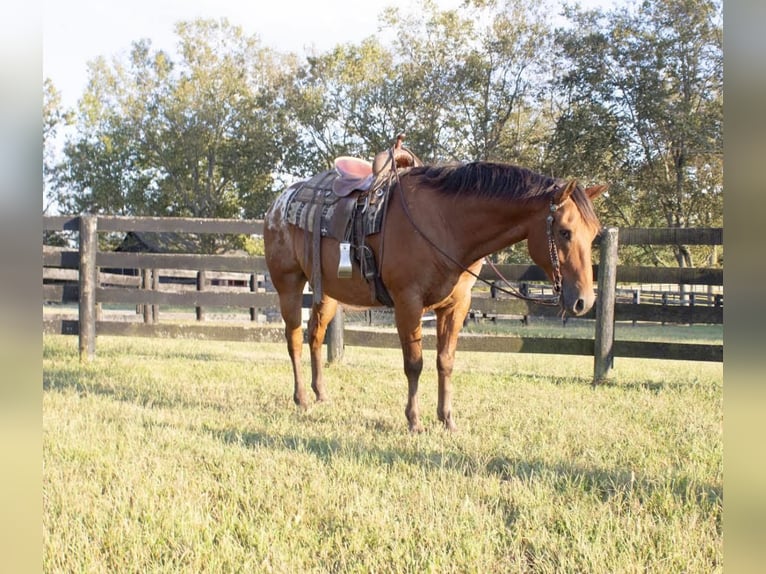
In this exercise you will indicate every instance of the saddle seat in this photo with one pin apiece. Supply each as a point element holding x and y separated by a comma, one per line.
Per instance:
<point>353,174</point>
<point>356,174</point>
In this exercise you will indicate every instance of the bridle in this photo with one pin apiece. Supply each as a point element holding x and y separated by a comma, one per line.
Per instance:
<point>552,251</point>
<point>510,290</point>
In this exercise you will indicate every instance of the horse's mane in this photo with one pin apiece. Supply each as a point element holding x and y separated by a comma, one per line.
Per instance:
<point>498,180</point>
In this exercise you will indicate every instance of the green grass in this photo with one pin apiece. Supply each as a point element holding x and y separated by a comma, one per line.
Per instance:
<point>189,456</point>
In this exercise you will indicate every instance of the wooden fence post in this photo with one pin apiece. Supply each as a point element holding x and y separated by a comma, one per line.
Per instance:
<point>146,283</point>
<point>636,301</point>
<point>334,336</point>
<point>254,289</point>
<point>607,283</point>
<point>201,284</point>
<point>87,280</point>
<point>155,287</point>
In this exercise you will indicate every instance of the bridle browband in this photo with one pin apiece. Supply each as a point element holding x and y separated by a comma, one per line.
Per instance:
<point>552,251</point>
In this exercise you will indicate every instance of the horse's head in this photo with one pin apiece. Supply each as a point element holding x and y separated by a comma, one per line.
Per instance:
<point>560,240</point>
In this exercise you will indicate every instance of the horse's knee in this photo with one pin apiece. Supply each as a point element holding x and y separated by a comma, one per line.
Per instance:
<point>445,364</point>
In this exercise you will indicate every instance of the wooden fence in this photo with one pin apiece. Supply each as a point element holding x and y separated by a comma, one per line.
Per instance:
<point>93,275</point>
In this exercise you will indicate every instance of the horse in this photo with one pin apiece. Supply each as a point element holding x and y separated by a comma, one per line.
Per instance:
<point>441,222</point>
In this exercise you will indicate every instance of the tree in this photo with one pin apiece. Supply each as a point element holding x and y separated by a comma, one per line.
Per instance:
<point>645,93</point>
<point>199,135</point>
<point>460,84</point>
<point>339,101</point>
<point>54,119</point>
<point>472,76</point>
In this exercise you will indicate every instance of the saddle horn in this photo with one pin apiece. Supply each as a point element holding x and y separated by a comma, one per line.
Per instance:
<point>396,157</point>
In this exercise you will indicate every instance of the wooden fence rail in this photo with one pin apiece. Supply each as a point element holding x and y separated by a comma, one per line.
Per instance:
<point>94,278</point>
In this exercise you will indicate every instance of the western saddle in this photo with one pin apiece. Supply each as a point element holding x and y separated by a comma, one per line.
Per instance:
<point>349,203</point>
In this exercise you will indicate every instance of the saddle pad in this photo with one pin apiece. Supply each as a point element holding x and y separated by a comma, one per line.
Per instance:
<point>337,213</point>
<point>309,196</point>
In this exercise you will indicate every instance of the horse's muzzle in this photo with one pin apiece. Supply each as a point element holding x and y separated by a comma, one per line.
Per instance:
<point>577,303</point>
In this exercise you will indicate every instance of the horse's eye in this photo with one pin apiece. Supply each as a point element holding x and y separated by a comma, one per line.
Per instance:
<point>565,234</point>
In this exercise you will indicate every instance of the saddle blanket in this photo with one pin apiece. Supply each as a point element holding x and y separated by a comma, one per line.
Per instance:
<point>337,217</point>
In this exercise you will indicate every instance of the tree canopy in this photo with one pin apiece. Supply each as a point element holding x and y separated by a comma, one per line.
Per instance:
<point>630,96</point>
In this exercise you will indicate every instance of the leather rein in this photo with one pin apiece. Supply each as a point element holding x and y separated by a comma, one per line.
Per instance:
<point>510,290</point>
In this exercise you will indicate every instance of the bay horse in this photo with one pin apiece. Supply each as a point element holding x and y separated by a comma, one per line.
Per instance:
<point>441,222</point>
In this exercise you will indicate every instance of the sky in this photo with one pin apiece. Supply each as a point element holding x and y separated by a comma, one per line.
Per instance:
<point>78,31</point>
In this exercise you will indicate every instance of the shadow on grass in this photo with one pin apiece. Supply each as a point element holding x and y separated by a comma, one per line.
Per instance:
<point>85,382</point>
<point>606,485</point>
<point>64,379</point>
<point>655,387</point>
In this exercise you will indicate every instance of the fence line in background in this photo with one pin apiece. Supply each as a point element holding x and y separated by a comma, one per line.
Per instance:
<point>97,287</point>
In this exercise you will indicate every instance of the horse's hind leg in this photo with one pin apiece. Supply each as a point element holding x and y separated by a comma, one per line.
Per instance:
<point>290,291</point>
<point>321,315</point>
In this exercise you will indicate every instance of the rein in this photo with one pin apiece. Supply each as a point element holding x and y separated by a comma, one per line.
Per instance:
<point>511,290</point>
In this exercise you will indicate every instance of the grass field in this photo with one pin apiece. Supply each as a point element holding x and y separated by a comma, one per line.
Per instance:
<point>189,456</point>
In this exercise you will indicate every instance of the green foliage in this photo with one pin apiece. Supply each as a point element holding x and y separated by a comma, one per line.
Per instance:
<point>197,136</point>
<point>253,245</point>
<point>54,118</point>
<point>642,109</point>
<point>630,96</point>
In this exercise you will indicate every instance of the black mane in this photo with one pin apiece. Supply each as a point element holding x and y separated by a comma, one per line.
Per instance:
<point>486,179</point>
<point>498,180</point>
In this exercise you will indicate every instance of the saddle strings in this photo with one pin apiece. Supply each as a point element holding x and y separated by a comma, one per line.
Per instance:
<point>510,290</point>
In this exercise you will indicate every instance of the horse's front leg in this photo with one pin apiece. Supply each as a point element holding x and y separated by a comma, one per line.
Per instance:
<point>449,322</point>
<point>321,315</point>
<point>411,339</point>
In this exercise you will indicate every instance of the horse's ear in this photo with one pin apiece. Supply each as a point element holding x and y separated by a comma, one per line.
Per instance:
<point>562,195</point>
<point>594,191</point>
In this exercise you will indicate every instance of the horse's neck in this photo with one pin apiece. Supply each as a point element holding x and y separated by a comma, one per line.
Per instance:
<point>488,225</point>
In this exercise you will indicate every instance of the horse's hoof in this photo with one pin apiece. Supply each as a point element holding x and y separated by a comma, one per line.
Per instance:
<point>416,428</point>
<point>449,424</point>
<point>300,402</point>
